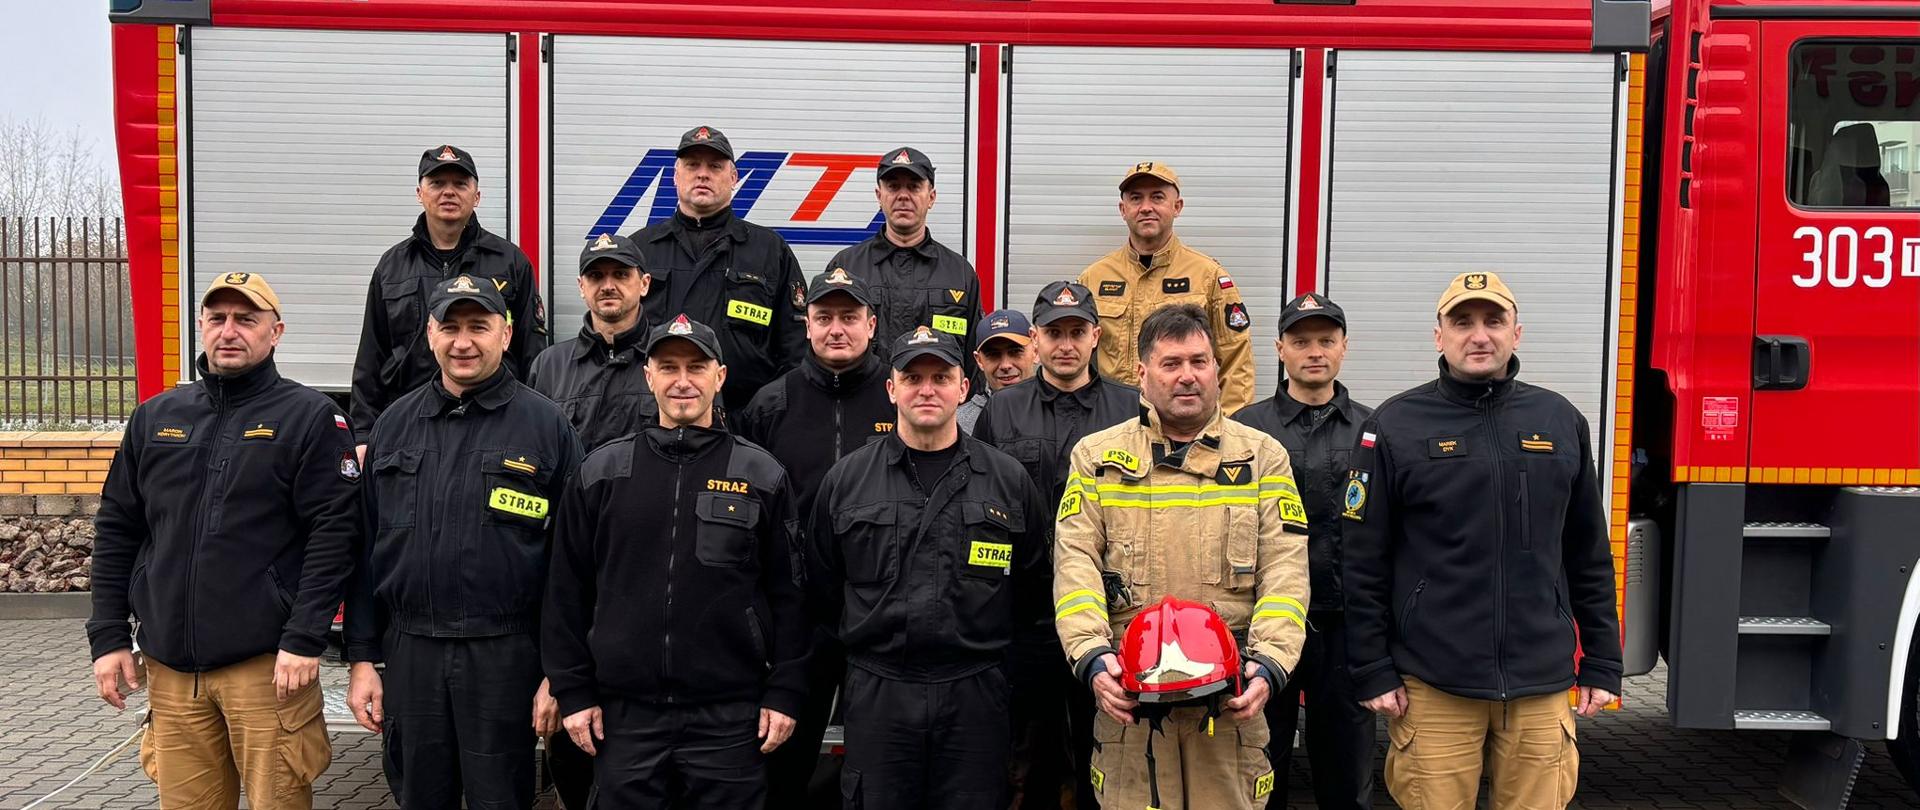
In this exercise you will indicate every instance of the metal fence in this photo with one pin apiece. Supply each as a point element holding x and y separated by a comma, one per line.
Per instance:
<point>66,322</point>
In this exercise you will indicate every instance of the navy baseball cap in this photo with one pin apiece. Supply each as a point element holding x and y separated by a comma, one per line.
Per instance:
<point>838,280</point>
<point>1005,324</point>
<point>1064,299</point>
<point>612,246</point>
<point>1311,305</point>
<point>463,287</point>
<point>689,330</point>
<point>925,341</point>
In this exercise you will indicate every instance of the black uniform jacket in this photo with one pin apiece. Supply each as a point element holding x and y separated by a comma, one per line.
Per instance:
<point>746,284</point>
<point>1039,424</point>
<point>600,386</point>
<point>459,497</point>
<point>227,522</point>
<point>1476,552</point>
<point>677,576</point>
<point>924,285</point>
<point>1321,452</point>
<point>812,417</point>
<point>930,586</point>
<point>394,357</point>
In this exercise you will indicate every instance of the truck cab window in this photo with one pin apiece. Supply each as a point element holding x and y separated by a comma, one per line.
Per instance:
<point>1854,121</point>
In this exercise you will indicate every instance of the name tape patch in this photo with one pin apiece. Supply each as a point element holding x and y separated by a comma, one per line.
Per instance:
<point>991,555</point>
<point>751,313</point>
<point>950,324</point>
<point>514,502</point>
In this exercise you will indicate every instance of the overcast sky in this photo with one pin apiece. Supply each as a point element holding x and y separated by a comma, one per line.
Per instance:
<point>55,63</point>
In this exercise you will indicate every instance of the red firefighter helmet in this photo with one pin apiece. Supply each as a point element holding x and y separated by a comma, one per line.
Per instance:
<point>1178,651</point>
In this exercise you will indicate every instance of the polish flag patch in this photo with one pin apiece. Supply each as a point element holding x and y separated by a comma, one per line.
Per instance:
<point>1226,283</point>
<point>339,421</point>
<point>1366,440</point>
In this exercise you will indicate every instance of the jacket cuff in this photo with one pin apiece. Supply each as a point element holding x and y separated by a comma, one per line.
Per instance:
<point>575,700</point>
<point>109,638</point>
<point>1089,665</point>
<point>1276,675</point>
<point>1376,680</point>
<point>1600,674</point>
<point>302,644</point>
<point>367,652</point>
<point>789,702</point>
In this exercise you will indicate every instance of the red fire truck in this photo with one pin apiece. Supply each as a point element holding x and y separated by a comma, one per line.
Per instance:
<point>1710,207</point>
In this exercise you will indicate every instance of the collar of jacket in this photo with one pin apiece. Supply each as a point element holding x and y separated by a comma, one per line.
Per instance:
<point>473,236</point>
<point>590,340</point>
<point>1473,392</point>
<point>1202,458</point>
<point>1085,395</point>
<point>227,389</point>
<point>841,384</point>
<point>1290,408</point>
<point>1162,258</point>
<point>491,394</point>
<point>682,444</point>
<point>736,228</point>
<point>926,248</point>
<point>895,450</point>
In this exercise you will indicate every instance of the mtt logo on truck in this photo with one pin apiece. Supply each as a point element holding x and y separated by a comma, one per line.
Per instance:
<point>757,170</point>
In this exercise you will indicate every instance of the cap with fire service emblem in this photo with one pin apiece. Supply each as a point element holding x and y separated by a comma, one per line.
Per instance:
<point>448,156</point>
<point>610,247</point>
<point>925,341</point>
<point>252,285</point>
<point>483,291</point>
<point>906,159</point>
<point>689,330</point>
<point>705,137</point>
<point>1064,299</point>
<point>1476,287</point>
<point>838,280</point>
<point>1311,305</point>
<point>1006,324</point>
<point>1151,168</point>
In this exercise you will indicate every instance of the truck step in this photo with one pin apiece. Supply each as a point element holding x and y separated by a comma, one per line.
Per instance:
<point>1786,529</point>
<point>1783,626</point>
<point>1779,720</point>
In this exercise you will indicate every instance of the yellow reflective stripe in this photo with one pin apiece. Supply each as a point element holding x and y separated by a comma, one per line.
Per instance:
<point>1281,607</point>
<point>1176,503</point>
<point>1082,484</point>
<point>1178,489</point>
<point>1083,593</point>
<point>1278,483</point>
<point>1280,601</point>
<point>1083,606</point>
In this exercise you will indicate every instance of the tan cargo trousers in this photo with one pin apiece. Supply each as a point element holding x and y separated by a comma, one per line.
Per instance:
<point>214,732</point>
<point>1228,770</point>
<point>1438,749</point>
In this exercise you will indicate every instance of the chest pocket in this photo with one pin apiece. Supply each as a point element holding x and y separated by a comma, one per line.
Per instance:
<point>396,486</point>
<point>1110,307</point>
<point>406,315</point>
<point>986,546</point>
<point>515,489</point>
<point>749,300</point>
<point>725,536</point>
<point>869,541</point>
<point>946,314</point>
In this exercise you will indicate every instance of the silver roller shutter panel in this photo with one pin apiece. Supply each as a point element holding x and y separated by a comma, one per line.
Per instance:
<point>1220,117</point>
<point>617,98</point>
<point>1445,163</point>
<point>306,148</point>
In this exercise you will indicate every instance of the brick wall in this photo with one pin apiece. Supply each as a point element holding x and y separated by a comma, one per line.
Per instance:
<point>55,463</point>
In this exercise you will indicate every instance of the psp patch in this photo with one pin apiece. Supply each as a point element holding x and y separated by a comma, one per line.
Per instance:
<point>1122,459</point>
<point>991,555</point>
<point>1069,505</point>
<point>1237,318</point>
<point>1354,500</point>
<point>1263,785</point>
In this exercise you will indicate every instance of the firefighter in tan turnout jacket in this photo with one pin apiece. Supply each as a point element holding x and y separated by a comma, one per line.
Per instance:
<point>1181,502</point>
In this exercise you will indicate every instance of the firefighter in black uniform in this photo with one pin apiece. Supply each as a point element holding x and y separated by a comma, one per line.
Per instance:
<point>720,270</point>
<point>447,241</point>
<point>915,280</point>
<point>599,378</point>
<point>226,527</point>
<point>1038,421</point>
<point>810,418</point>
<point>461,478</point>
<point>929,558</point>
<point>1312,415</point>
<point>678,697</point>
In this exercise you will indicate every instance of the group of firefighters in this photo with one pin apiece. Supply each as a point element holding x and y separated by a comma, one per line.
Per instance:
<point>1052,557</point>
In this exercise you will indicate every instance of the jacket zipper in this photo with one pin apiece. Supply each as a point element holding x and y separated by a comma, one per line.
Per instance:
<point>836,430</point>
<point>199,524</point>
<point>1526,518</point>
<point>1499,552</point>
<point>1413,600</point>
<point>666,618</point>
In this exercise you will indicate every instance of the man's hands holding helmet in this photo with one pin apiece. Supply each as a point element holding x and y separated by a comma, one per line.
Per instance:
<point>1253,698</point>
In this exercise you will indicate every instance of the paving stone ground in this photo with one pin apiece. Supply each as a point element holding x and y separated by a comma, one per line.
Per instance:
<point>52,726</point>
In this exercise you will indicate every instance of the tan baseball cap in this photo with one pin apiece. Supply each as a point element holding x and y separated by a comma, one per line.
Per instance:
<point>252,285</point>
<point>1151,168</point>
<point>1476,286</point>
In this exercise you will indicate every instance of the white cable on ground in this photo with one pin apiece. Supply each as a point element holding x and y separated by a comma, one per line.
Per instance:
<point>138,729</point>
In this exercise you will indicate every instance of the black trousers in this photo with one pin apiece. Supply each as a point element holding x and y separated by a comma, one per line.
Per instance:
<point>570,770</point>
<point>790,767</point>
<point>459,721</point>
<point>929,746</point>
<point>1340,733</point>
<point>699,757</point>
<point>1045,769</point>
